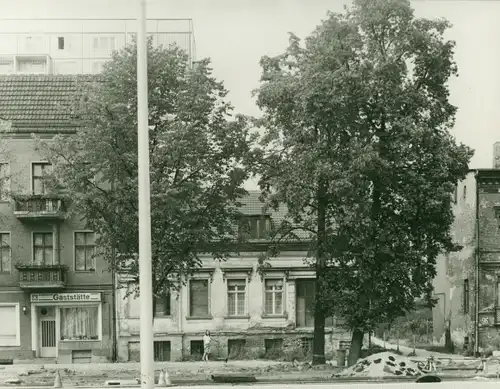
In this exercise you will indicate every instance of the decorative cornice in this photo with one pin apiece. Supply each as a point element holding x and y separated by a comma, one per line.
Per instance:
<point>236,269</point>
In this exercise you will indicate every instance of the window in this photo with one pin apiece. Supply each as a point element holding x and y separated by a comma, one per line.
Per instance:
<point>466,296</point>
<point>85,251</point>
<point>162,305</point>
<point>9,330</point>
<point>161,351</point>
<point>39,176</point>
<point>274,297</point>
<point>197,347</point>
<point>43,248</point>
<point>455,194</point>
<point>4,181</point>
<point>273,347</point>
<point>255,227</point>
<point>198,298</point>
<point>79,323</point>
<point>236,348</point>
<point>236,296</point>
<point>104,43</point>
<point>5,252</point>
<point>60,43</point>
<point>465,192</point>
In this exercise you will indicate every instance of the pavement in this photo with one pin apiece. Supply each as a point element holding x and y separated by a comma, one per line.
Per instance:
<point>363,385</point>
<point>419,352</point>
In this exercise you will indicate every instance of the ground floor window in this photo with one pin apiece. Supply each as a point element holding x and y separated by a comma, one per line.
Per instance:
<point>9,330</point>
<point>80,323</point>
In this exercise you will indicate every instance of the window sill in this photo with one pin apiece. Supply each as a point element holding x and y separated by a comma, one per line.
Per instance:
<point>208,317</point>
<point>85,271</point>
<point>5,273</point>
<point>278,316</point>
<point>163,317</point>
<point>230,317</point>
<point>80,340</point>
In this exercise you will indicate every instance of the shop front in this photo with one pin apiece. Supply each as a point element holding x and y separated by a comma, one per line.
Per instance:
<point>66,326</point>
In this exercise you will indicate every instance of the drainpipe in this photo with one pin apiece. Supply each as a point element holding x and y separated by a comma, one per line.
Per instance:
<point>476,310</point>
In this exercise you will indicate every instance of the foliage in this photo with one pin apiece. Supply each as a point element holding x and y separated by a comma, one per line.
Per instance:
<point>196,151</point>
<point>358,147</point>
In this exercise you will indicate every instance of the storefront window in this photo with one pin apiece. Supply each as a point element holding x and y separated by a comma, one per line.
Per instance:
<point>79,323</point>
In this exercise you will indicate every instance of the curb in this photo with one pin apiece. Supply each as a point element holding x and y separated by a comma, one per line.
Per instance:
<point>264,380</point>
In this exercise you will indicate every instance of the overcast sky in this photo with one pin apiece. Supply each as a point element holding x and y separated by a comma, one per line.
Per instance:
<point>236,33</point>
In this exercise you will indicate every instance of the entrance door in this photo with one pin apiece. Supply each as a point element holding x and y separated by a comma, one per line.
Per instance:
<point>48,339</point>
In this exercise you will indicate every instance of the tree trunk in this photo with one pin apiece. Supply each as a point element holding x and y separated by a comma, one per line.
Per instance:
<point>355,349</point>
<point>319,312</point>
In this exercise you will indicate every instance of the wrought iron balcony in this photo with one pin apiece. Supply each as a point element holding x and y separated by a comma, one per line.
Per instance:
<point>39,208</point>
<point>33,276</point>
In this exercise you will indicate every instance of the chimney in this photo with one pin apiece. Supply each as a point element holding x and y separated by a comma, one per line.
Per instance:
<point>496,155</point>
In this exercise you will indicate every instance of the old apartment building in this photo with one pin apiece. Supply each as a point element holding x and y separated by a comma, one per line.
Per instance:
<point>80,46</point>
<point>467,284</point>
<point>246,312</point>
<point>56,299</point>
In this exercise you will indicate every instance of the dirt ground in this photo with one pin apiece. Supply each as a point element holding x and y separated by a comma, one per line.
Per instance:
<point>190,372</point>
<point>97,374</point>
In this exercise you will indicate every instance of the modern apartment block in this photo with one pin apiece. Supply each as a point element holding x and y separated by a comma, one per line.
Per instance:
<point>79,46</point>
<point>247,313</point>
<point>56,298</point>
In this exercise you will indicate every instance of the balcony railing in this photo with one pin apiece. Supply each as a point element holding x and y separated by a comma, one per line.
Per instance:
<point>38,207</point>
<point>33,276</point>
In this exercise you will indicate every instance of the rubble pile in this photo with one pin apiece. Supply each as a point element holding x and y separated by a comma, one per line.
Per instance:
<point>382,365</point>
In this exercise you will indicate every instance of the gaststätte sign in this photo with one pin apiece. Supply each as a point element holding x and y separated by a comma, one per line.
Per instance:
<point>65,297</point>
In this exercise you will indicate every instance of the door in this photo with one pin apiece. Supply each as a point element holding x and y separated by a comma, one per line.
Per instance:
<point>305,302</point>
<point>48,339</point>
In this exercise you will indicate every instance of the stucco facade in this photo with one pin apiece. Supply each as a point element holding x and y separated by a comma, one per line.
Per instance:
<point>253,330</point>
<point>53,305</point>
<point>466,284</point>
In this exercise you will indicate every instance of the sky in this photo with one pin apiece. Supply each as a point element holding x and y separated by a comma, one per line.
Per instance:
<point>235,34</point>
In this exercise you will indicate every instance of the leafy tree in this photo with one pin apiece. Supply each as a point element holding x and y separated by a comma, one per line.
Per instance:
<point>196,151</point>
<point>358,146</point>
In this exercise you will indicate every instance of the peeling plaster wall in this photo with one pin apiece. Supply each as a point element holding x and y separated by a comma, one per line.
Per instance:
<point>489,244</point>
<point>179,329</point>
<point>453,268</point>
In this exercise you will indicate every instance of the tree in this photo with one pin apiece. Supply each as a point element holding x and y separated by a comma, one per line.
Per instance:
<point>358,146</point>
<point>196,150</point>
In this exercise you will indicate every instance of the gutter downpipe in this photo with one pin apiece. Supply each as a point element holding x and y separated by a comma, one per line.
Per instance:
<point>476,329</point>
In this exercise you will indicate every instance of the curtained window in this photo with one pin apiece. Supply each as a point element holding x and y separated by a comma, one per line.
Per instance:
<point>79,323</point>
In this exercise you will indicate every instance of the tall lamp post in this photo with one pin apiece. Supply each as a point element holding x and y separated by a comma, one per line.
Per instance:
<point>145,266</point>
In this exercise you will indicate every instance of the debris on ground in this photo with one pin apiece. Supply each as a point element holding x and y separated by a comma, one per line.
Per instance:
<point>381,365</point>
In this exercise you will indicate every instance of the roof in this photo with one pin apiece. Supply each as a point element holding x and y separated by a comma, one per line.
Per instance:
<point>253,206</point>
<point>40,101</point>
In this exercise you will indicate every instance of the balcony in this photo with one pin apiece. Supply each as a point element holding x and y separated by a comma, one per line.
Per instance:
<point>37,208</point>
<point>32,276</point>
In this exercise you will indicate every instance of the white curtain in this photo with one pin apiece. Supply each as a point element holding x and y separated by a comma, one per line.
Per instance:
<point>79,323</point>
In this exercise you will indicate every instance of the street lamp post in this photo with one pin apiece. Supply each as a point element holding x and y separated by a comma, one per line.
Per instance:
<point>145,267</point>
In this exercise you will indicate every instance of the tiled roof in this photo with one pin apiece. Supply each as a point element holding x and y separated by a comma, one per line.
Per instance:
<point>252,206</point>
<point>39,101</point>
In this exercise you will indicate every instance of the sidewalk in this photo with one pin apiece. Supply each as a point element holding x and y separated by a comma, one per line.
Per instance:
<point>420,352</point>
